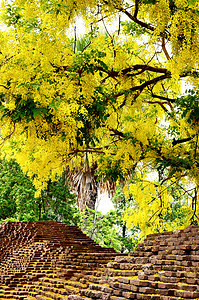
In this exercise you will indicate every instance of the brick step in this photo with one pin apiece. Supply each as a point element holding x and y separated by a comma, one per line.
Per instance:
<point>87,260</point>
<point>25,287</point>
<point>176,268</point>
<point>51,295</point>
<point>49,243</point>
<point>32,294</point>
<point>40,290</point>
<point>96,273</point>
<point>53,281</point>
<point>36,268</point>
<point>91,279</point>
<point>173,278</point>
<point>39,297</point>
<point>17,293</point>
<point>10,296</point>
<point>176,257</point>
<point>101,287</point>
<point>76,284</point>
<point>91,294</point>
<point>185,263</point>
<point>51,289</point>
<point>80,266</point>
<point>77,297</point>
<point>135,284</point>
<point>123,273</point>
<point>100,254</point>
<point>56,283</point>
<point>7,297</point>
<point>33,276</point>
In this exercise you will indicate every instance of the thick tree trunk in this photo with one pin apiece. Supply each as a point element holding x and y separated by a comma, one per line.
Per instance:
<point>84,183</point>
<point>88,198</point>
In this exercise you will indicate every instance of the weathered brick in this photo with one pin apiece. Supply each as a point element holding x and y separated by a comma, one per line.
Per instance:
<point>123,286</point>
<point>185,247</point>
<point>190,275</point>
<point>153,277</point>
<point>106,289</point>
<point>125,266</point>
<point>186,287</point>
<point>165,292</point>
<point>143,297</point>
<point>153,284</point>
<point>141,260</point>
<point>162,285</point>
<point>146,290</point>
<point>157,268</point>
<point>123,279</point>
<point>106,296</point>
<point>148,253</point>
<point>117,292</point>
<point>169,273</point>
<point>129,295</point>
<point>191,281</point>
<point>179,274</point>
<point>134,288</point>
<point>138,282</point>
<point>116,298</point>
<point>195,263</point>
<point>142,276</point>
<point>195,258</point>
<point>114,285</point>
<point>123,259</point>
<point>186,294</point>
<point>169,279</point>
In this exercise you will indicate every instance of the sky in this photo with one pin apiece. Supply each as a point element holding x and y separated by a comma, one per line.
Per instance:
<point>104,204</point>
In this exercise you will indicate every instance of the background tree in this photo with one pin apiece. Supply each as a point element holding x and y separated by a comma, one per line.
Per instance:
<point>158,205</point>
<point>18,202</point>
<point>110,230</point>
<point>118,100</point>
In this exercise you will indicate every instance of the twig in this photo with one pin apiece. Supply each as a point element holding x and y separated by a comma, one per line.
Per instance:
<point>8,136</point>
<point>119,27</point>
<point>75,41</point>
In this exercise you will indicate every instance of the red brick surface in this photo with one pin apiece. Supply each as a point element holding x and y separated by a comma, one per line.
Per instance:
<point>50,260</point>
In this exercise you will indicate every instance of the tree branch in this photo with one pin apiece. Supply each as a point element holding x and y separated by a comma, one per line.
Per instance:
<point>160,103</point>
<point>133,17</point>
<point>144,85</point>
<point>175,142</point>
<point>136,8</point>
<point>117,132</point>
<point>164,49</point>
<point>163,98</point>
<point>127,71</point>
<point>5,87</point>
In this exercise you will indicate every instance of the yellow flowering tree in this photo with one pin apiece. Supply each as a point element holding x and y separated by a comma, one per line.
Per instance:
<point>117,100</point>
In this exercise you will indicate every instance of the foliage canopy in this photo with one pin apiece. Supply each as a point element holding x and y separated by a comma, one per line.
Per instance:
<point>117,99</point>
<point>17,201</point>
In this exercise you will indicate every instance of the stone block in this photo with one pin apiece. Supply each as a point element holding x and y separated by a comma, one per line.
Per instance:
<point>129,295</point>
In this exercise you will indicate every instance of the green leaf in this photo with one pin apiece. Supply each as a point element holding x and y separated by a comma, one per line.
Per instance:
<point>191,2</point>
<point>103,64</point>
